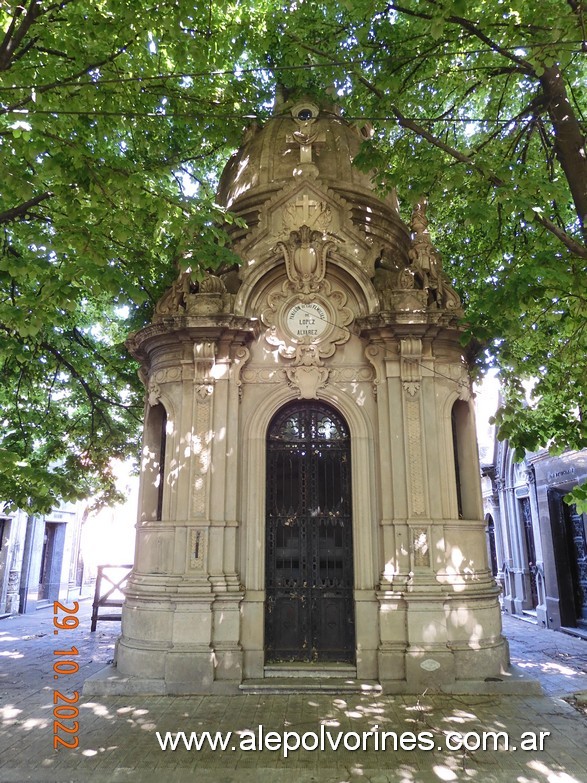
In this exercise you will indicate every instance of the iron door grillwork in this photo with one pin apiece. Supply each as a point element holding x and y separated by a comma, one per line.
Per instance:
<point>309,613</point>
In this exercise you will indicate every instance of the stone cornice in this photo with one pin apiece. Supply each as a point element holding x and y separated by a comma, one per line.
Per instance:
<point>192,328</point>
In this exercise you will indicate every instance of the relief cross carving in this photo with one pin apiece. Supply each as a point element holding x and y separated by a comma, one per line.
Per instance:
<point>305,141</point>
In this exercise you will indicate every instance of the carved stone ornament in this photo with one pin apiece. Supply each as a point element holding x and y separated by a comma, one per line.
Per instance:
<point>306,211</point>
<point>406,280</point>
<point>305,257</point>
<point>306,138</point>
<point>13,581</point>
<point>308,380</point>
<point>239,356</point>
<point>153,393</point>
<point>208,297</point>
<point>167,375</point>
<point>464,388</point>
<point>351,374</point>
<point>263,375</point>
<point>411,357</point>
<point>426,264</point>
<point>410,372</point>
<point>204,390</point>
<point>204,360</point>
<point>411,387</point>
<point>306,327</point>
<point>172,302</point>
<point>198,543</point>
<point>421,547</point>
<point>211,285</point>
<point>455,375</point>
<point>202,456</point>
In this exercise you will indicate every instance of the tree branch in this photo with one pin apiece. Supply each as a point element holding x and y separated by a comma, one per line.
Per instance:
<point>466,24</point>
<point>69,79</point>
<point>22,210</point>
<point>570,146</point>
<point>14,37</point>
<point>90,393</point>
<point>572,244</point>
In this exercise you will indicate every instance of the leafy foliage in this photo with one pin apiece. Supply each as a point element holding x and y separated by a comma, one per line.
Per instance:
<point>108,181</point>
<point>578,498</point>
<point>481,107</point>
<point>116,118</point>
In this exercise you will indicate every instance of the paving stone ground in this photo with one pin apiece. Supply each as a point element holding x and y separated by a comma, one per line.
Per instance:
<point>118,741</point>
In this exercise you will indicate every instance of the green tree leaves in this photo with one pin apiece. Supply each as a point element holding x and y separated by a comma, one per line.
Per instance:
<point>116,119</point>
<point>113,129</point>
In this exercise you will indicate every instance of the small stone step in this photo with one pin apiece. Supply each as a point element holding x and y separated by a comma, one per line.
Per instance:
<point>311,670</point>
<point>290,685</point>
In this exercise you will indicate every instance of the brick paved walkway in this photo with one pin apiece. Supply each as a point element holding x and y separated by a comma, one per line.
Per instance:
<point>117,740</point>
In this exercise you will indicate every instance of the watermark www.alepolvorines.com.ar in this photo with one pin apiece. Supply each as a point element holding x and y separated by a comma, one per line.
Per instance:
<point>325,739</point>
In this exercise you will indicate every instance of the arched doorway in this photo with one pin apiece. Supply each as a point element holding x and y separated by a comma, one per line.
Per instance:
<point>309,611</point>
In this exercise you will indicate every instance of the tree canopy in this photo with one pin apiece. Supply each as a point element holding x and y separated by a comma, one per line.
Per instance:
<point>115,121</point>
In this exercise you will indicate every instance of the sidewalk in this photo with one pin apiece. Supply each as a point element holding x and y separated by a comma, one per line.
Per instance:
<point>117,740</point>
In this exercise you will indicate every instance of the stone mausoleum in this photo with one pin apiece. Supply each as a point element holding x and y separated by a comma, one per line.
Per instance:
<point>310,504</point>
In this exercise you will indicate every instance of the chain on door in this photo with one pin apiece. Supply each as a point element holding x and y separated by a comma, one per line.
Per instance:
<point>309,612</point>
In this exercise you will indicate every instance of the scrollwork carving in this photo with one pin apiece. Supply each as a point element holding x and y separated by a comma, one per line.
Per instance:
<point>411,388</point>
<point>421,547</point>
<point>172,302</point>
<point>305,257</point>
<point>204,360</point>
<point>411,357</point>
<point>308,380</point>
<point>240,357</point>
<point>311,347</point>
<point>153,393</point>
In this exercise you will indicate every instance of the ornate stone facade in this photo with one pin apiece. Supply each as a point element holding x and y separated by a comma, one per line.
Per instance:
<point>337,302</point>
<point>538,542</point>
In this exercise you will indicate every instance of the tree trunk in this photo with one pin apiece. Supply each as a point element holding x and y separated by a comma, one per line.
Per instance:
<point>570,144</point>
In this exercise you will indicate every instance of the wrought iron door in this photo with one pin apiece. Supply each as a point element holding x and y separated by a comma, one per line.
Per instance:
<point>526,514</point>
<point>577,544</point>
<point>309,613</point>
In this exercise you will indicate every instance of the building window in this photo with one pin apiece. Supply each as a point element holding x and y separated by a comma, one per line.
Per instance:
<point>491,548</point>
<point>154,448</point>
<point>465,460</point>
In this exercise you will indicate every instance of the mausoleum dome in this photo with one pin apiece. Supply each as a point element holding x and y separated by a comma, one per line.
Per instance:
<point>308,142</point>
<point>270,155</point>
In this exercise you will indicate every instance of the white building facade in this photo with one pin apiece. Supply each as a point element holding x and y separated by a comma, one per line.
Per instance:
<point>539,541</point>
<point>39,558</point>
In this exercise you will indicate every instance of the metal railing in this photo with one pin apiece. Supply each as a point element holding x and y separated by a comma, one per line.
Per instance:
<point>109,591</point>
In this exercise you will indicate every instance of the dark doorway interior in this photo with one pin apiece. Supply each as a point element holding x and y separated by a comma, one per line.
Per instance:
<point>491,548</point>
<point>570,551</point>
<point>526,517</point>
<point>309,612</point>
<point>47,560</point>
